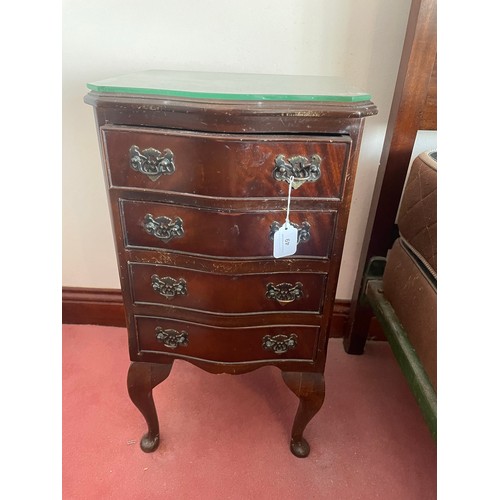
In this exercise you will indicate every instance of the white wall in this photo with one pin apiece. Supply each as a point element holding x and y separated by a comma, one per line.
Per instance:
<point>360,40</point>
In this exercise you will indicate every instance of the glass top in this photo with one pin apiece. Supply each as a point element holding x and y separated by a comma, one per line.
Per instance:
<point>231,86</point>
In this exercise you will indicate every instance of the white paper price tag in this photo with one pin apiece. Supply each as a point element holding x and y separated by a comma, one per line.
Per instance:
<point>285,241</point>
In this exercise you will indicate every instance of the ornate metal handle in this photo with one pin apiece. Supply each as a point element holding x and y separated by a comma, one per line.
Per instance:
<point>168,287</point>
<point>171,338</point>
<point>163,228</point>
<point>279,344</point>
<point>151,162</point>
<point>303,231</point>
<point>303,169</point>
<point>284,293</point>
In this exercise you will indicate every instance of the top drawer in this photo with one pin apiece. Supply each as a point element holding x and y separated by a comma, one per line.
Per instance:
<point>224,165</point>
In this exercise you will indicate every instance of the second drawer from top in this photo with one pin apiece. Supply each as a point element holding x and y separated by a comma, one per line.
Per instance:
<point>215,233</point>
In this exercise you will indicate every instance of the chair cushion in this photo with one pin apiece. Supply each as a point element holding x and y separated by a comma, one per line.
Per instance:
<point>412,293</point>
<point>417,216</point>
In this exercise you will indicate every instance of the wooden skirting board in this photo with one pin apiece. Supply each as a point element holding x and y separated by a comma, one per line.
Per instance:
<point>104,306</point>
<point>92,306</point>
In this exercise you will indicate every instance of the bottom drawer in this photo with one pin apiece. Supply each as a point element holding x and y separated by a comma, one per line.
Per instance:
<point>227,345</point>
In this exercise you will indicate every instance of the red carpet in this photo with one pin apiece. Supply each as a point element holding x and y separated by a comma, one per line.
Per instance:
<point>226,437</point>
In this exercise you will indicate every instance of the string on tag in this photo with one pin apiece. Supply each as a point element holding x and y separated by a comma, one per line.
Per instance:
<point>285,238</point>
<point>287,219</point>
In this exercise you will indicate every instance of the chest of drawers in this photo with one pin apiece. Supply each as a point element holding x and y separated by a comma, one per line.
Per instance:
<point>198,169</point>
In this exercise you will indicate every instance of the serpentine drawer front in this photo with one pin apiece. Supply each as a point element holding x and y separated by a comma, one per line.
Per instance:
<point>160,337</point>
<point>227,293</point>
<point>214,165</point>
<point>221,233</point>
<point>202,172</point>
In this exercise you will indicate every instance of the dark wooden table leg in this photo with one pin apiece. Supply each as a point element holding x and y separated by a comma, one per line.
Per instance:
<point>141,379</point>
<point>310,389</point>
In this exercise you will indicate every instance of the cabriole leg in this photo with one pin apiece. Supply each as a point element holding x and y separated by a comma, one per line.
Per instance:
<point>141,379</point>
<point>310,389</point>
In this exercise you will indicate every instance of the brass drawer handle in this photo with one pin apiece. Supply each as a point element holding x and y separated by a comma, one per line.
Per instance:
<point>171,338</point>
<point>303,169</point>
<point>284,293</point>
<point>303,231</point>
<point>151,162</point>
<point>163,228</point>
<point>279,344</point>
<point>168,287</point>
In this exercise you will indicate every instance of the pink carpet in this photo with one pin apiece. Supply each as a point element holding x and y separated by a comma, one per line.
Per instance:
<point>226,437</point>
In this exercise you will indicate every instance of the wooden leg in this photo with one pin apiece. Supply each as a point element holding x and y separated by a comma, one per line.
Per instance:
<point>141,379</point>
<point>357,329</point>
<point>310,389</point>
<point>361,312</point>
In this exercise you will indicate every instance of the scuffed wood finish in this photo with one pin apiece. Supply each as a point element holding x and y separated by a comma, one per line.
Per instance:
<point>194,242</point>
<point>209,115</point>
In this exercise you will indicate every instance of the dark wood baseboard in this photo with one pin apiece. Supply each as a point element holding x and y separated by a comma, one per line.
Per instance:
<point>104,306</point>
<point>92,306</point>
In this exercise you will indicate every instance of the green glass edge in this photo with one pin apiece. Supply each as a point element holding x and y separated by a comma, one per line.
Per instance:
<point>239,97</point>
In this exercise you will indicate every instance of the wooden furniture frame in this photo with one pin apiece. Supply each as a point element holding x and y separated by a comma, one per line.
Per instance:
<point>413,108</point>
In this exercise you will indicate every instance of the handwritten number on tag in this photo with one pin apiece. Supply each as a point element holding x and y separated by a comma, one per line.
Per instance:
<point>285,241</point>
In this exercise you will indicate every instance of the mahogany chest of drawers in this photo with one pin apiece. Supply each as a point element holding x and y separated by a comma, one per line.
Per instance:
<point>198,168</point>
